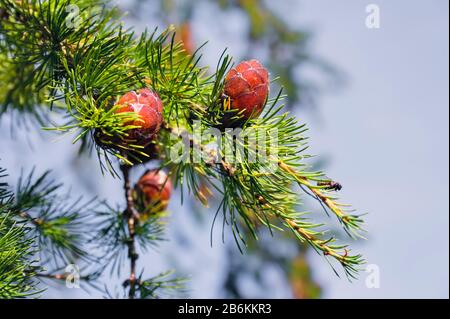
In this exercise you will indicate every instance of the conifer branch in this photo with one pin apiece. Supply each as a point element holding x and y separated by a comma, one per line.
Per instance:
<point>18,266</point>
<point>352,223</point>
<point>132,218</point>
<point>82,71</point>
<point>304,230</point>
<point>61,276</point>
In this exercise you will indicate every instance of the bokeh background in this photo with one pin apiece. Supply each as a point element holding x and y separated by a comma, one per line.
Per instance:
<point>377,105</point>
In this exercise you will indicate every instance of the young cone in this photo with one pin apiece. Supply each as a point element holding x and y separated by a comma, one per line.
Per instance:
<point>247,87</point>
<point>148,106</point>
<point>153,192</point>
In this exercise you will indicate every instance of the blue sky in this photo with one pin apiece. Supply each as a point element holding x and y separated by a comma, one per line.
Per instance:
<point>387,133</point>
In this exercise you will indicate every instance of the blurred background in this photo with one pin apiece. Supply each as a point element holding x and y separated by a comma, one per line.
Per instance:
<point>376,102</point>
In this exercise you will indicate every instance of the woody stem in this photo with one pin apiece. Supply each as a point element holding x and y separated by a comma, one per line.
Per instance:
<point>131,215</point>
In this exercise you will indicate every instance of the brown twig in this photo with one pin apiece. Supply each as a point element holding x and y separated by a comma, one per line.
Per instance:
<point>132,217</point>
<point>52,276</point>
<point>59,276</point>
<point>34,221</point>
